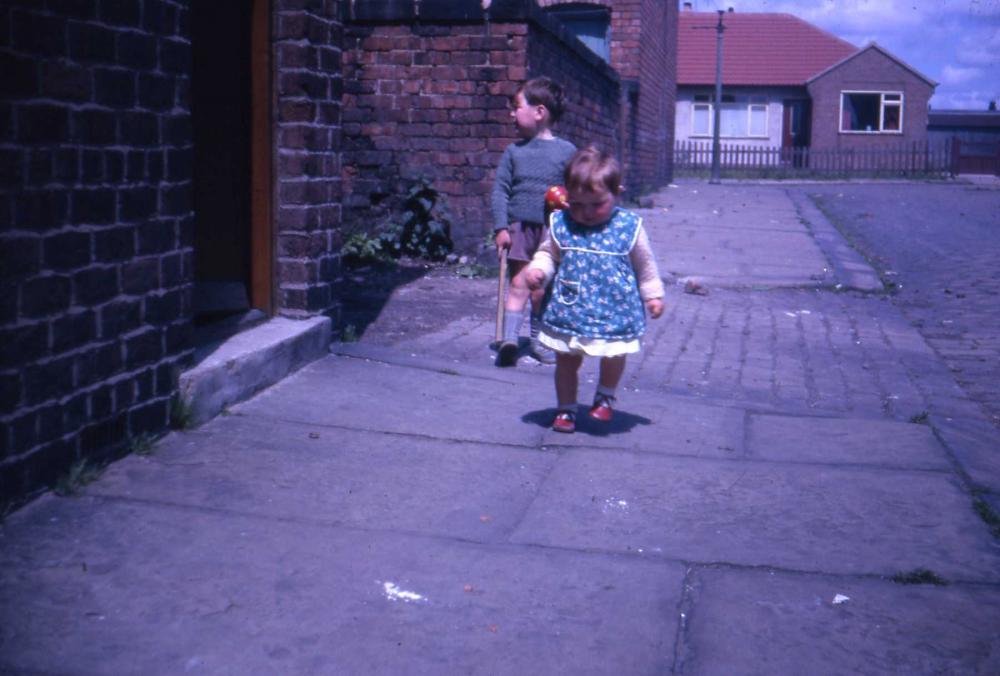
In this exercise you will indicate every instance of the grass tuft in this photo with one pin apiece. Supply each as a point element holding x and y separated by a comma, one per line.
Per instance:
<point>919,576</point>
<point>80,474</point>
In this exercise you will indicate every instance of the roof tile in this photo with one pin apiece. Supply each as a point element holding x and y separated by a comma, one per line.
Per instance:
<point>757,49</point>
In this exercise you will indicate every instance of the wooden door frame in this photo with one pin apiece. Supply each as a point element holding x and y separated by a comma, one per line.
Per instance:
<point>262,236</point>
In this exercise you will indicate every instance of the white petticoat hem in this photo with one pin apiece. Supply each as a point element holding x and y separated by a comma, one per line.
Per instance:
<point>592,347</point>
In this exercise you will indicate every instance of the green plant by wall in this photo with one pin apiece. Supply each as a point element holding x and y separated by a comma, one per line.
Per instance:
<point>421,229</point>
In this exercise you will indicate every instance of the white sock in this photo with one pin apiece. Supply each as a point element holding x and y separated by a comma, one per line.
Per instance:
<point>512,321</point>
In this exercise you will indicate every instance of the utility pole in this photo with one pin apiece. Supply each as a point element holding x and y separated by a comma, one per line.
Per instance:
<point>717,110</point>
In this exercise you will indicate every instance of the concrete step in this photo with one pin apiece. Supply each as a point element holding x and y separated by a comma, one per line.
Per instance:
<point>246,363</point>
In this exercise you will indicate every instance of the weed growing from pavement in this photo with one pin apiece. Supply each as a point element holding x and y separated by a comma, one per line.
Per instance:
<point>349,334</point>
<point>920,418</point>
<point>987,514</point>
<point>80,474</point>
<point>144,444</point>
<point>472,271</point>
<point>181,413</point>
<point>919,576</point>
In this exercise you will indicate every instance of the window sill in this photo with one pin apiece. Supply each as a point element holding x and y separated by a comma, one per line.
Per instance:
<point>871,133</point>
<point>730,138</point>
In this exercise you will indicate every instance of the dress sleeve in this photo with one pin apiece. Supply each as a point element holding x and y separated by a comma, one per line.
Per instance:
<point>500,196</point>
<point>644,264</point>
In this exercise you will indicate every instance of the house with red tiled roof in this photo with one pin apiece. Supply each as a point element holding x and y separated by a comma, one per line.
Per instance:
<point>789,83</point>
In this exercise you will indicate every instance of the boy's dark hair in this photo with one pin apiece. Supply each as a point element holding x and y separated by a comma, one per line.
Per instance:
<point>543,91</point>
<point>592,170</point>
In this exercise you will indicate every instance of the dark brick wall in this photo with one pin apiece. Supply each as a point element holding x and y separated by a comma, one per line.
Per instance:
<point>95,229</point>
<point>869,71</point>
<point>309,83</point>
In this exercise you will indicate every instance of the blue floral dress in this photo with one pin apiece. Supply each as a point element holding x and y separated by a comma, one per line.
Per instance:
<point>595,293</point>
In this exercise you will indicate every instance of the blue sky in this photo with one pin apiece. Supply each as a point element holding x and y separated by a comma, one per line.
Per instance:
<point>954,42</point>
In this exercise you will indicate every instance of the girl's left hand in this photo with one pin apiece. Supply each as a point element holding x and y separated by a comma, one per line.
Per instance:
<point>655,307</point>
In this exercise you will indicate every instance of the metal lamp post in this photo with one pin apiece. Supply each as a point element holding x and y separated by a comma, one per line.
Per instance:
<point>716,113</point>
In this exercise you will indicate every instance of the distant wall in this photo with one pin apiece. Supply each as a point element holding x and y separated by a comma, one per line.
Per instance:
<point>427,87</point>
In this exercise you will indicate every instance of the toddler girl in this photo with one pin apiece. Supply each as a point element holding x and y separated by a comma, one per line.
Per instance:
<point>605,274</point>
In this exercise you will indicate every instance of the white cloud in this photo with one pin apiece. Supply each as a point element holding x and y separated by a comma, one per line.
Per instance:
<point>955,75</point>
<point>977,50</point>
<point>962,100</point>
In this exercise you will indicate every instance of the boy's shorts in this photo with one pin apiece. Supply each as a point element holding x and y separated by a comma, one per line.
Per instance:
<point>525,238</point>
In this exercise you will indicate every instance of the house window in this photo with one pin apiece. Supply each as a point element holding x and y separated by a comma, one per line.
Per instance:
<point>702,119</point>
<point>589,24</point>
<point>871,112</point>
<point>739,117</point>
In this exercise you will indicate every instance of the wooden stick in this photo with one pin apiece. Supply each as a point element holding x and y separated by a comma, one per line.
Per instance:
<point>501,289</point>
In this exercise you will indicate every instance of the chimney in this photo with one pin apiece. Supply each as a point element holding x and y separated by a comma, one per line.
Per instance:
<point>687,6</point>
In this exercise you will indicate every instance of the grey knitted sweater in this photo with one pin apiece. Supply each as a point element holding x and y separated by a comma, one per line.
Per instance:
<point>527,169</point>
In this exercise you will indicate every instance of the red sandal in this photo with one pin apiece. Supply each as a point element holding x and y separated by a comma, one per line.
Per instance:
<point>565,421</point>
<point>602,410</point>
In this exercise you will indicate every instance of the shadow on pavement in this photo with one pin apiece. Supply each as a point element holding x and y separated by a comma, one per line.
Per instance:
<point>622,423</point>
<point>366,291</point>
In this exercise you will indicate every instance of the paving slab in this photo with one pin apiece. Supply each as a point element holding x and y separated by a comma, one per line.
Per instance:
<point>97,586</point>
<point>476,492</point>
<point>734,236</point>
<point>845,440</point>
<point>659,424</point>
<point>768,622</point>
<point>375,396</point>
<point>795,516</point>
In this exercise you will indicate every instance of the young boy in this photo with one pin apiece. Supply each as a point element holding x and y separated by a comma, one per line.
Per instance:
<point>527,169</point>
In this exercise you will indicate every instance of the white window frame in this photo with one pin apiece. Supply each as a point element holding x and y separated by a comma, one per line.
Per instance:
<point>695,105</point>
<point>881,112</point>
<point>747,103</point>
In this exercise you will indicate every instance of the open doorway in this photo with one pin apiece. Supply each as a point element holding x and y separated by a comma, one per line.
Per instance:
<point>231,114</point>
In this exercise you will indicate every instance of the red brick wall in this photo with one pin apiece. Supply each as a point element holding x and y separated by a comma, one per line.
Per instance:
<point>644,51</point>
<point>309,84</point>
<point>869,71</point>
<point>427,102</point>
<point>430,100</point>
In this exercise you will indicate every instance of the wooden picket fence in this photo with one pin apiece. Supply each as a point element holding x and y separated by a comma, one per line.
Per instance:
<point>912,159</point>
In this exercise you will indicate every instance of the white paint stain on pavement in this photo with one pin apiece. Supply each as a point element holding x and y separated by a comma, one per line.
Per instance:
<point>394,593</point>
<point>615,505</point>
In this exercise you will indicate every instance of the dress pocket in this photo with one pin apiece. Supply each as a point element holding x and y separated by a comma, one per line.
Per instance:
<point>568,292</point>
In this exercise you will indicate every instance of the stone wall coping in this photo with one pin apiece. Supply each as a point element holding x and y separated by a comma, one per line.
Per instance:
<point>471,11</point>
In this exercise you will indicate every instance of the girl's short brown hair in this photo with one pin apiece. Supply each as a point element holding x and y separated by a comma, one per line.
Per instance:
<point>543,91</point>
<point>593,170</point>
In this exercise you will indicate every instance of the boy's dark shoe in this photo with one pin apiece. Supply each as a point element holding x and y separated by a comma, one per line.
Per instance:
<point>565,421</point>
<point>507,354</point>
<point>602,409</point>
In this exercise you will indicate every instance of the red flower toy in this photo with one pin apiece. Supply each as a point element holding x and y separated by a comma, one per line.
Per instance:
<point>556,198</point>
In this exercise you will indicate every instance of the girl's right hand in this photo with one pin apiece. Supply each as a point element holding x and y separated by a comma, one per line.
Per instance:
<point>502,240</point>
